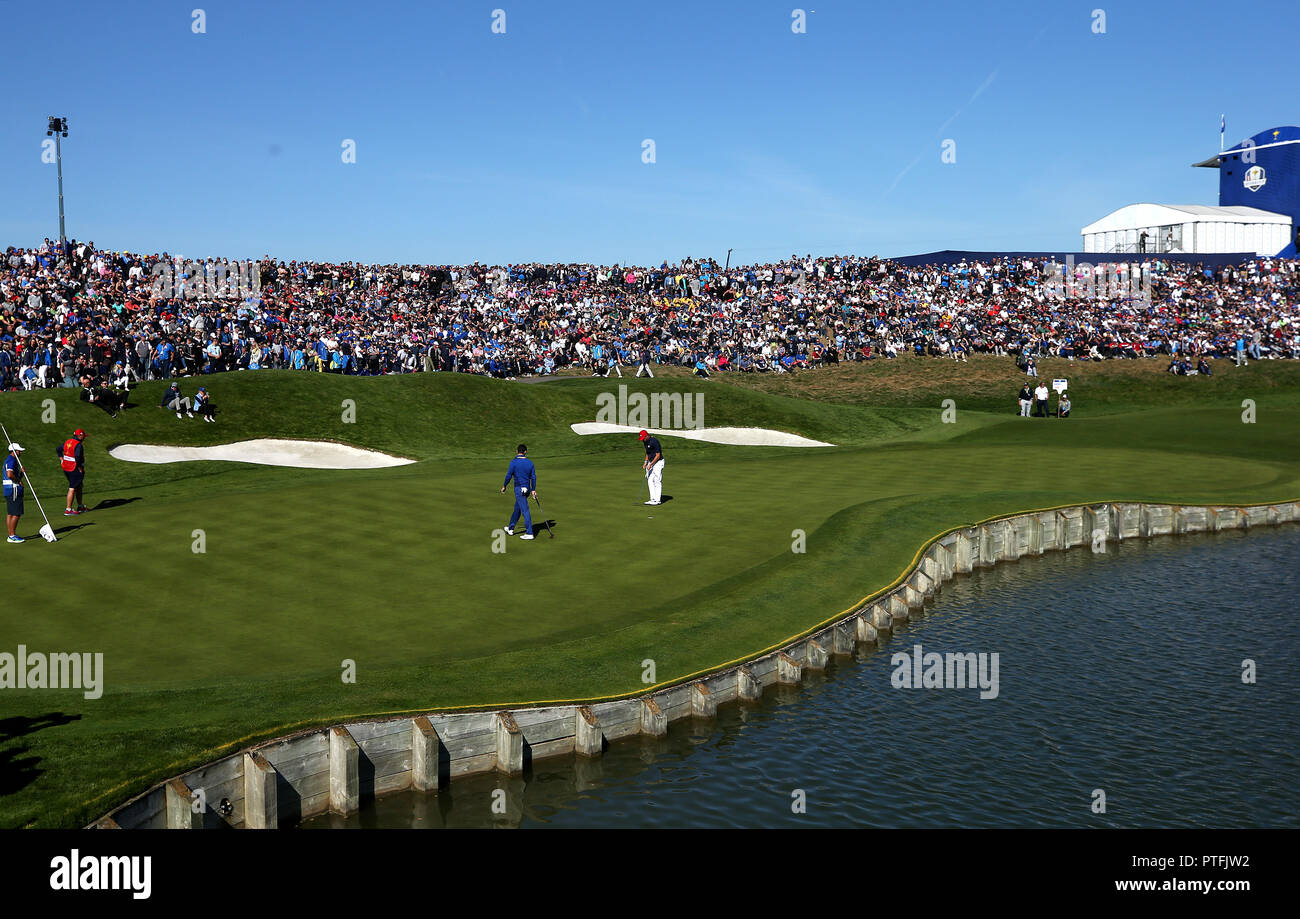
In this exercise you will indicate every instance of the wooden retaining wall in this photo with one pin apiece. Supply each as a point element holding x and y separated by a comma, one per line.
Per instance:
<point>284,781</point>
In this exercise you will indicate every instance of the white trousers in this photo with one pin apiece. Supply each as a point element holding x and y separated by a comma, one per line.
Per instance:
<point>656,480</point>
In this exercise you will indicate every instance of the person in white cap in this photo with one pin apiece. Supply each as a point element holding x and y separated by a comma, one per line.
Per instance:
<point>13,485</point>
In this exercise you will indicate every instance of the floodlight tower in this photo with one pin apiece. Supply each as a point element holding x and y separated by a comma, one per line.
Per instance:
<point>58,128</point>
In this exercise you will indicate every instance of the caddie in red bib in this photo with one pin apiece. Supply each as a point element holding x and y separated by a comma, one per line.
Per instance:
<point>72,459</point>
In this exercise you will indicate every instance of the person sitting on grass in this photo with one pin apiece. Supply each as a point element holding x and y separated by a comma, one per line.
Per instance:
<point>1203,368</point>
<point>203,405</point>
<point>102,396</point>
<point>174,401</point>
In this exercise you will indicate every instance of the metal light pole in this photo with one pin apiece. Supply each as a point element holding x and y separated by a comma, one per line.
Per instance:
<point>58,128</point>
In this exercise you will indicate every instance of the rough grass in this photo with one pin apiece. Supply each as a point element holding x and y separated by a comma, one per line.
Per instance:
<point>992,384</point>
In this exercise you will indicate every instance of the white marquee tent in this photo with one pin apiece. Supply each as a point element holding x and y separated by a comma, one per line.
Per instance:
<point>1191,228</point>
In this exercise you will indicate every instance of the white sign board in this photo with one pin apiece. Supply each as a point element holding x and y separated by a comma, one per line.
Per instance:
<point>1058,385</point>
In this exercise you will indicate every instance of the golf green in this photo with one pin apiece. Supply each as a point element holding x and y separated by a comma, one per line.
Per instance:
<point>398,572</point>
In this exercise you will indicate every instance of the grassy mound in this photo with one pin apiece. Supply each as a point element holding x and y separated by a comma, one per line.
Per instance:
<point>395,569</point>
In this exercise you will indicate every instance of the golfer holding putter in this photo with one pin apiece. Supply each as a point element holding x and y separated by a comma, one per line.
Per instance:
<point>525,476</point>
<point>654,466</point>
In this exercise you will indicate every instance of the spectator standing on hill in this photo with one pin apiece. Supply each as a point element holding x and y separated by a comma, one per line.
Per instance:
<point>1040,401</point>
<point>1026,400</point>
<point>1241,350</point>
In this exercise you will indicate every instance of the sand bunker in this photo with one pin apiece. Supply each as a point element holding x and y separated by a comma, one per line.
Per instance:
<point>745,437</point>
<point>304,454</point>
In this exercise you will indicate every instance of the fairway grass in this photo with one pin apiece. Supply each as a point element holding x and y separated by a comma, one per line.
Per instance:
<point>394,569</point>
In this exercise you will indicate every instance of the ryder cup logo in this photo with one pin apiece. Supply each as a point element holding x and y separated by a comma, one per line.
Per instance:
<point>1255,178</point>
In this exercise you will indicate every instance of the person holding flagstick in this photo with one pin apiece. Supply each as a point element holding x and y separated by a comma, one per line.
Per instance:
<point>13,485</point>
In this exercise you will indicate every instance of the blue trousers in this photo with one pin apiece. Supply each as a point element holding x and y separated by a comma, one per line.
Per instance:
<point>521,507</point>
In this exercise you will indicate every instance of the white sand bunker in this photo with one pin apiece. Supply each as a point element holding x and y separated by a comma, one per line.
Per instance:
<point>304,454</point>
<point>744,437</point>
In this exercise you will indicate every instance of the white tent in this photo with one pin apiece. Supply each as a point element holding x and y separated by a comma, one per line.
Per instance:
<point>1189,228</point>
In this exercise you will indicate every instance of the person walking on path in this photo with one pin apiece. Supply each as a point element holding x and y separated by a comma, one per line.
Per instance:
<point>524,475</point>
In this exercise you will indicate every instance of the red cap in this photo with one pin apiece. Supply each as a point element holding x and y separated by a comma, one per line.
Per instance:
<point>78,433</point>
<point>643,435</point>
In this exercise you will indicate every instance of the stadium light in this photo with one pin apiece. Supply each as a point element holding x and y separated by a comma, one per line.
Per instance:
<point>58,129</point>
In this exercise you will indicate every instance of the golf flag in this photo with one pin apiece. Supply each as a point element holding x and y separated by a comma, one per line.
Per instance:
<point>1223,126</point>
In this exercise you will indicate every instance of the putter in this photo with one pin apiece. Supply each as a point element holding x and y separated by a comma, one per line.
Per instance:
<point>47,531</point>
<point>544,520</point>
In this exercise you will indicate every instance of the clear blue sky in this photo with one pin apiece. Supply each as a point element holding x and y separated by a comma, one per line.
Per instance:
<point>528,145</point>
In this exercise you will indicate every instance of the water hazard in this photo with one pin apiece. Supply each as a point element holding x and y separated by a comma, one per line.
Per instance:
<point>1120,672</point>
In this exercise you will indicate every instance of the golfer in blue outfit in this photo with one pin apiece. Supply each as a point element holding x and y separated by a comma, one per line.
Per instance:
<point>525,476</point>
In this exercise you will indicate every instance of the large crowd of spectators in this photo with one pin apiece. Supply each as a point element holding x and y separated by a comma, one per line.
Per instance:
<point>72,314</point>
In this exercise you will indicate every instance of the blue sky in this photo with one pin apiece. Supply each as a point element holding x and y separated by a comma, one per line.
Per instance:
<point>527,146</point>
